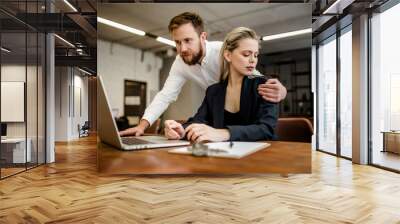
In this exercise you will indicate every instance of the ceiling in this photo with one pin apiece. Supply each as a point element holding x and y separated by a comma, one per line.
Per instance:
<point>39,6</point>
<point>34,18</point>
<point>220,18</point>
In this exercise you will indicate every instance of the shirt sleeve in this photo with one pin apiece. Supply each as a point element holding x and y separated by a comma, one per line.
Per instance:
<point>168,94</point>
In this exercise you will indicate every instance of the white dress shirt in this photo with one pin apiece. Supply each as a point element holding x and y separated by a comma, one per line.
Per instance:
<point>204,74</point>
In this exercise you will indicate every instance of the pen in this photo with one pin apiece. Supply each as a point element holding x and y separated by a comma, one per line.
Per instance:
<point>230,144</point>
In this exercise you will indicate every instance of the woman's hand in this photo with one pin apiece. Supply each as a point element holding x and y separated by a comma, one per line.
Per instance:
<point>202,132</point>
<point>173,130</point>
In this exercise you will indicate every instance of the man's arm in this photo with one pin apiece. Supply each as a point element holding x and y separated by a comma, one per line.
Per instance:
<point>168,94</point>
<point>272,90</point>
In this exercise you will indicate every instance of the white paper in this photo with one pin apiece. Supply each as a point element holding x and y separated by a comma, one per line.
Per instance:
<point>237,151</point>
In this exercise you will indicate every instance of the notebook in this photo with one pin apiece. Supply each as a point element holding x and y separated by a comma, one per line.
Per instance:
<point>225,150</point>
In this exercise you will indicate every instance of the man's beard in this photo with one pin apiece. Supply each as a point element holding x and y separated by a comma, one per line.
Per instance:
<point>195,59</point>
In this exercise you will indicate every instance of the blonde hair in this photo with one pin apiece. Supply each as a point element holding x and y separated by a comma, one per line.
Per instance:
<point>231,42</point>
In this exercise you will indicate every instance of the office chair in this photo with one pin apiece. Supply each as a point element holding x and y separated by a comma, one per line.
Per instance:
<point>294,129</point>
<point>84,130</point>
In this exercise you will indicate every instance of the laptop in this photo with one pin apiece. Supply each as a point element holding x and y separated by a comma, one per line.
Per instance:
<point>108,132</point>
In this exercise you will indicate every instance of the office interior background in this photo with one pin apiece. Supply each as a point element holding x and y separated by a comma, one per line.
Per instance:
<point>123,58</point>
<point>47,80</point>
<point>49,67</point>
<point>75,65</point>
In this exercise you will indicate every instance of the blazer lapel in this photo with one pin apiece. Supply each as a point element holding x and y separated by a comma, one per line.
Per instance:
<point>245,100</point>
<point>220,106</point>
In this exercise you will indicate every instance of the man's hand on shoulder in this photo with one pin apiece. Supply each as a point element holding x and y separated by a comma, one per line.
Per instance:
<point>272,90</point>
<point>137,130</point>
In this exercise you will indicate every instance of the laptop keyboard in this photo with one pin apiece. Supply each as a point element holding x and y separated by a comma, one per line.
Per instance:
<point>134,141</point>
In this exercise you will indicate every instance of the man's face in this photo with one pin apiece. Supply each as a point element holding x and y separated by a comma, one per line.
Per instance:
<point>188,43</point>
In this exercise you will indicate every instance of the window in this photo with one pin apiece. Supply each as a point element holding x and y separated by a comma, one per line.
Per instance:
<point>346,92</point>
<point>385,86</point>
<point>327,95</point>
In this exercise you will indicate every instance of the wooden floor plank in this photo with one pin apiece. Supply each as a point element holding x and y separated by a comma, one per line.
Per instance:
<point>71,191</point>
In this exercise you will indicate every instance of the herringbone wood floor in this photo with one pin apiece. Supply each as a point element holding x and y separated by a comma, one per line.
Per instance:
<point>71,191</point>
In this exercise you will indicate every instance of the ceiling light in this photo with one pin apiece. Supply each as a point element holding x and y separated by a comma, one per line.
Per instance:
<point>79,51</point>
<point>120,26</point>
<point>84,71</point>
<point>166,41</point>
<point>64,40</point>
<point>5,50</point>
<point>288,34</point>
<point>331,7</point>
<point>70,5</point>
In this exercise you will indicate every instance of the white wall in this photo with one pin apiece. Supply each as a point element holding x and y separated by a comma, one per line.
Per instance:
<point>17,73</point>
<point>188,100</point>
<point>80,109</point>
<point>116,62</point>
<point>33,126</point>
<point>67,114</point>
<point>61,104</point>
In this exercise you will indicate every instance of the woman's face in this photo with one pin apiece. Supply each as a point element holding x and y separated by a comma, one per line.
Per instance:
<point>244,58</point>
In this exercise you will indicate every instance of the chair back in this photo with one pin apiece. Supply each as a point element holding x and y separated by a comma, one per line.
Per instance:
<point>294,129</point>
<point>86,126</point>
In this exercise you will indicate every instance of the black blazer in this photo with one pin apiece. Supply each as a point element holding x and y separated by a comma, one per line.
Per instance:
<point>260,116</point>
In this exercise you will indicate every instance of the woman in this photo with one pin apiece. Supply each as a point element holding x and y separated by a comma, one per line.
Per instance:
<point>232,109</point>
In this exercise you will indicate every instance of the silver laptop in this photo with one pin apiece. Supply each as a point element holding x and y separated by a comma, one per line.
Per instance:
<point>107,128</point>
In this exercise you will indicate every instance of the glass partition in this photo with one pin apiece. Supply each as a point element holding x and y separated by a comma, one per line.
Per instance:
<point>41,96</point>
<point>22,87</point>
<point>31,98</point>
<point>13,94</point>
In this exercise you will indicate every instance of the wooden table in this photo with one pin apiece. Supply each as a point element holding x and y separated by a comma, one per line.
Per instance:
<point>280,157</point>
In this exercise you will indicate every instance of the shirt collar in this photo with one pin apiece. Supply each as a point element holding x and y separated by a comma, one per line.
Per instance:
<point>206,57</point>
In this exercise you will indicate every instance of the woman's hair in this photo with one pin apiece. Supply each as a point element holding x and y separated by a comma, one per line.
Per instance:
<point>231,42</point>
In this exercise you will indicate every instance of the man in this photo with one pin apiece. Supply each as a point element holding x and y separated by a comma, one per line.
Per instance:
<point>197,60</point>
